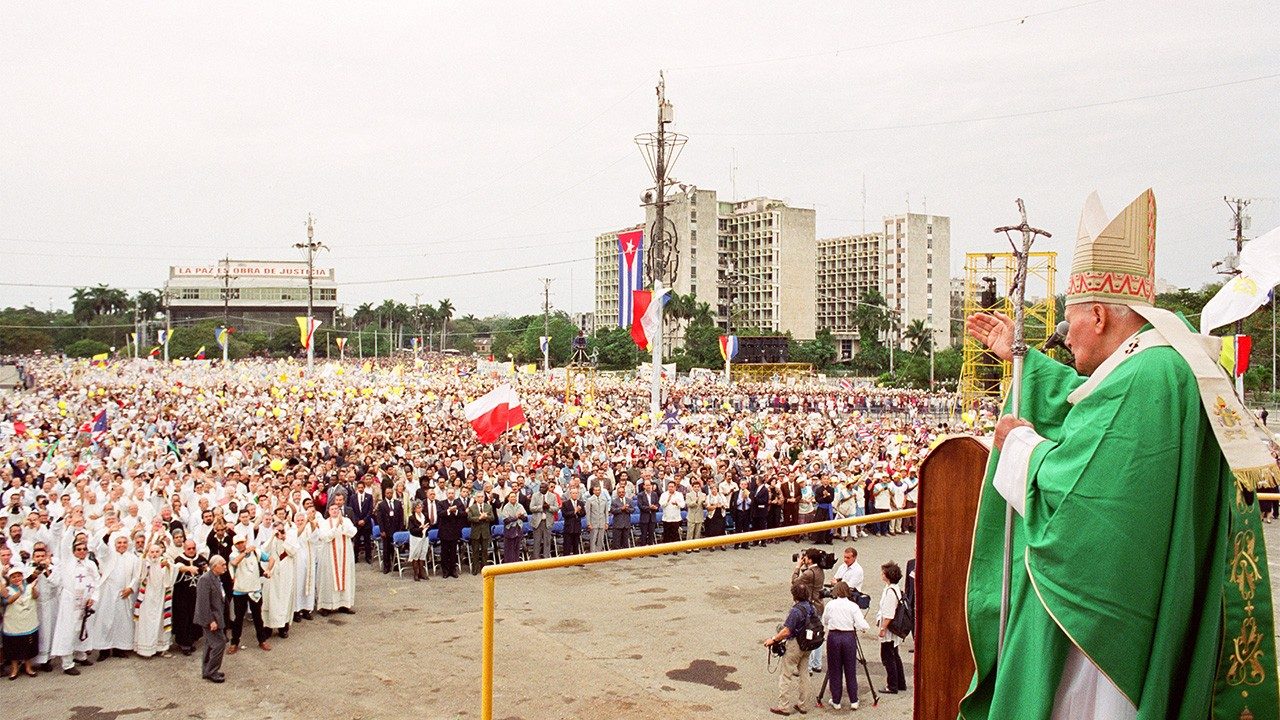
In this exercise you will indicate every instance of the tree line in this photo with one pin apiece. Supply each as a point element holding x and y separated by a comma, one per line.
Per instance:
<point>103,317</point>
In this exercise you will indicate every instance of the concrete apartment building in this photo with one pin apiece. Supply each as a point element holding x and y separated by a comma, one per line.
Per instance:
<point>903,262</point>
<point>770,246</point>
<point>773,251</point>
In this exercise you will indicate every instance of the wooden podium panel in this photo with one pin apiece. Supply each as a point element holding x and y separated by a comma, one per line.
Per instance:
<point>950,484</point>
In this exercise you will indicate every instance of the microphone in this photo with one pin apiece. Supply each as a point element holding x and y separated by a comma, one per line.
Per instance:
<point>1058,338</point>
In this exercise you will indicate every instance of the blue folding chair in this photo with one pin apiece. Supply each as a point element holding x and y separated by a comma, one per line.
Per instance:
<point>401,542</point>
<point>433,547</point>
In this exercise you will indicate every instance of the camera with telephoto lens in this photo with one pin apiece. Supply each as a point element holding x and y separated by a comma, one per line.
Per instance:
<point>778,649</point>
<point>822,559</point>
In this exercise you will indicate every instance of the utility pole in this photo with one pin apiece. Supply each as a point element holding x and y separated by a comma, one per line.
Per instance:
<point>546,325</point>
<point>417,324</point>
<point>1238,217</point>
<point>137,327</point>
<point>1237,206</point>
<point>168,321</point>
<point>226,303</point>
<point>311,246</point>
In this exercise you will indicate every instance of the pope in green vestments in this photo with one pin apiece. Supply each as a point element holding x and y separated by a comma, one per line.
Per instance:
<point>1138,555</point>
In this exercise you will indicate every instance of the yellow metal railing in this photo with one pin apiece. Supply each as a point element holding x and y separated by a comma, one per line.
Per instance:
<point>490,573</point>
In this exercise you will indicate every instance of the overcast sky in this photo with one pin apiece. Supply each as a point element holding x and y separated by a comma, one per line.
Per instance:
<point>431,139</point>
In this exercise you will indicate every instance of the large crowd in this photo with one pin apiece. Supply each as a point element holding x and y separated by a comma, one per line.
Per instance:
<point>124,483</point>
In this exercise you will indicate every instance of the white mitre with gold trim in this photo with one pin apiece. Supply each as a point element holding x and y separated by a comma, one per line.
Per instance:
<point>1115,261</point>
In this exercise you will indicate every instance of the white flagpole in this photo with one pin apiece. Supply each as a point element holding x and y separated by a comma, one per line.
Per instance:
<point>655,383</point>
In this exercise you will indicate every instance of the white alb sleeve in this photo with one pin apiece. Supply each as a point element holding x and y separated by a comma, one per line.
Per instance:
<point>1011,472</point>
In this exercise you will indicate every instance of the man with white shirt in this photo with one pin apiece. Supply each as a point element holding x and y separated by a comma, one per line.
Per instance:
<point>671,502</point>
<point>849,570</point>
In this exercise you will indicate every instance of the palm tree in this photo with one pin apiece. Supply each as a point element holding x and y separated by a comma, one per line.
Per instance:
<point>918,336</point>
<point>81,305</point>
<point>148,302</point>
<point>364,314</point>
<point>445,312</point>
<point>426,318</point>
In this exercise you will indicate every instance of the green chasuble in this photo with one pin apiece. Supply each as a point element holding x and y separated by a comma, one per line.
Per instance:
<point>1135,546</point>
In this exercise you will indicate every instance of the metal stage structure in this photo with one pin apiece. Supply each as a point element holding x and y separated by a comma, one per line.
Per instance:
<point>987,279</point>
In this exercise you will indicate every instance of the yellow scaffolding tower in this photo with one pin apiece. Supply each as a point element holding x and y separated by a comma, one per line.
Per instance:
<point>982,375</point>
<point>580,377</point>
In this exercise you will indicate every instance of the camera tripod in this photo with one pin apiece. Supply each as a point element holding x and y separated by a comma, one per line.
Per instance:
<point>862,659</point>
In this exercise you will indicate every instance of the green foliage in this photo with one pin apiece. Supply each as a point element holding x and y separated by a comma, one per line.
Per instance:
<point>86,348</point>
<point>20,331</point>
<point>871,359</point>
<point>614,347</point>
<point>872,318</point>
<point>819,352</point>
<point>562,332</point>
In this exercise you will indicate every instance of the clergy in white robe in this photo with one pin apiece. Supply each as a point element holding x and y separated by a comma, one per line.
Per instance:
<point>113,623</point>
<point>304,569</point>
<point>76,580</point>
<point>336,565</point>
<point>46,604</point>
<point>153,604</point>
<point>277,590</point>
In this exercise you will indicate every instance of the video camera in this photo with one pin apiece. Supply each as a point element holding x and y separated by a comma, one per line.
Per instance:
<point>824,559</point>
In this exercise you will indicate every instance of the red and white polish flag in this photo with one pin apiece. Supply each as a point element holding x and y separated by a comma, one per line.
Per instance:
<point>646,322</point>
<point>494,413</point>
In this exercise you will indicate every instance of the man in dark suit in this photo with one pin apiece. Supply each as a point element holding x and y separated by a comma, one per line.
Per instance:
<point>209,614</point>
<point>571,511</point>
<point>453,517</point>
<point>759,505</point>
<point>359,511</point>
<point>740,506</point>
<point>647,499</point>
<point>620,512</point>
<point>390,517</point>
<point>791,504</point>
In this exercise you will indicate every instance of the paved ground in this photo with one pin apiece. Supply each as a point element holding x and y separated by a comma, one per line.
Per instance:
<point>648,638</point>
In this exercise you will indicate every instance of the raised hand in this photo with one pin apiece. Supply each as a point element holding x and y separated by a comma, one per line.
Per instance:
<point>993,330</point>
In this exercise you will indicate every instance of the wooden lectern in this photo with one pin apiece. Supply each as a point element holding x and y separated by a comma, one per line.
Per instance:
<point>950,485</point>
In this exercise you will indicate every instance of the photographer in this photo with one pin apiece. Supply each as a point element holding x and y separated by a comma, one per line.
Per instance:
<point>842,618</point>
<point>793,682</point>
<point>809,575</point>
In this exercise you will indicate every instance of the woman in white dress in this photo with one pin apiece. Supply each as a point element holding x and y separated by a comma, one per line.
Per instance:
<point>418,543</point>
<point>153,604</point>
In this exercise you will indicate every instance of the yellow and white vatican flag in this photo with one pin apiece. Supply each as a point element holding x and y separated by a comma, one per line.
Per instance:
<point>1246,292</point>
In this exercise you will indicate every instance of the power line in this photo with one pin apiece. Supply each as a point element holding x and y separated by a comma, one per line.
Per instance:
<point>985,118</point>
<point>470,273</point>
<point>510,171</point>
<point>886,43</point>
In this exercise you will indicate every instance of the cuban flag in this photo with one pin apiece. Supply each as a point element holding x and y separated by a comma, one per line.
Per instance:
<point>728,347</point>
<point>97,427</point>
<point>630,272</point>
